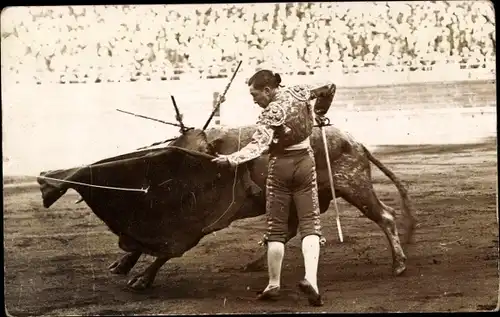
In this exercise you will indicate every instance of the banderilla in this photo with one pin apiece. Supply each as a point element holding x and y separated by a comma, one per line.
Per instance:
<point>149,118</point>
<point>221,98</point>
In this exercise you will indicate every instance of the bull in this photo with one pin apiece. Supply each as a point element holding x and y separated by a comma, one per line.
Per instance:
<point>189,196</point>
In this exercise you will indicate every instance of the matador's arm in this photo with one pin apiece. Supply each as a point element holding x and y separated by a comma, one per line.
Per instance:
<point>271,118</point>
<point>324,98</point>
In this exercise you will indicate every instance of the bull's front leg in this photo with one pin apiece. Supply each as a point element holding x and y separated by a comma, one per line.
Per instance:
<point>124,264</point>
<point>180,243</point>
<point>145,279</point>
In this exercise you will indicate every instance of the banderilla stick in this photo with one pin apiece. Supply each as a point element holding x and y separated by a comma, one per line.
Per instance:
<point>149,118</point>
<point>221,98</point>
<point>330,176</point>
<point>178,115</point>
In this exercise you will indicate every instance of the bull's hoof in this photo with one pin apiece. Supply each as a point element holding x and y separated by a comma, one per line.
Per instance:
<point>120,267</point>
<point>123,265</point>
<point>140,283</point>
<point>399,269</point>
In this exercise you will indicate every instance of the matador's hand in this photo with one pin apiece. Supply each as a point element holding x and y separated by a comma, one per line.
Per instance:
<point>322,121</point>
<point>221,160</point>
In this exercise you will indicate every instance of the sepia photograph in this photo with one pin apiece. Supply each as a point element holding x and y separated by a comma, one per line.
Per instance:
<point>250,158</point>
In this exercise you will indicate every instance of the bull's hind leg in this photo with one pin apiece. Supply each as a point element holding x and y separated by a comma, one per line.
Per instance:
<point>390,229</point>
<point>365,199</point>
<point>124,264</point>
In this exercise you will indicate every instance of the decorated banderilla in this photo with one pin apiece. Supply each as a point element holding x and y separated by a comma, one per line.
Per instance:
<point>221,98</point>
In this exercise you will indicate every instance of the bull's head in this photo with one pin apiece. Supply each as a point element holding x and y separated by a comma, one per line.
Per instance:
<point>190,138</point>
<point>195,140</point>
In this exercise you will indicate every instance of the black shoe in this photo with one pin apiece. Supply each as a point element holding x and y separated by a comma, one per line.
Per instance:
<point>271,294</point>
<point>312,296</point>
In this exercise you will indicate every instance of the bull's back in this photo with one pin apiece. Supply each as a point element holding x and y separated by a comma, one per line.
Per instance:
<point>232,139</point>
<point>229,140</point>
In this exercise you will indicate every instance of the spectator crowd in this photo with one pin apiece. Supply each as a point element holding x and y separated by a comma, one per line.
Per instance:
<point>127,43</point>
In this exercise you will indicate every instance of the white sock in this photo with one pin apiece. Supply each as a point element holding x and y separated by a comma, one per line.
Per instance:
<point>275,254</point>
<point>310,251</point>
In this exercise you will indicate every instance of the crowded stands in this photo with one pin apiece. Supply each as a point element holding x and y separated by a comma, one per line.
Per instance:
<point>165,42</point>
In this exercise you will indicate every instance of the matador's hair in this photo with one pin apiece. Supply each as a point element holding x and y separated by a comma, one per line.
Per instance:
<point>265,78</point>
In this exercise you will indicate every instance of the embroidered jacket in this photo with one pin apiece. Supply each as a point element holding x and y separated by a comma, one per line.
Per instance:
<point>287,120</point>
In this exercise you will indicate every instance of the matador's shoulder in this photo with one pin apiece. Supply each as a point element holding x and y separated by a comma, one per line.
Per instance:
<point>300,92</point>
<point>273,115</point>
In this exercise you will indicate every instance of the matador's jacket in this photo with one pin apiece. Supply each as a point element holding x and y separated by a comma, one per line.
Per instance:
<point>283,130</point>
<point>287,120</point>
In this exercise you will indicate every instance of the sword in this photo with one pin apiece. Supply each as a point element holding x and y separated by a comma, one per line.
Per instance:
<point>330,176</point>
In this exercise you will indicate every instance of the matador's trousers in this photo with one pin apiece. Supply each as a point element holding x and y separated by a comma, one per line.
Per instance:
<point>292,176</point>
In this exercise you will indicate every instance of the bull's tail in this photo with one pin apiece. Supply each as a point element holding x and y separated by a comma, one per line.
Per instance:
<point>410,221</point>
